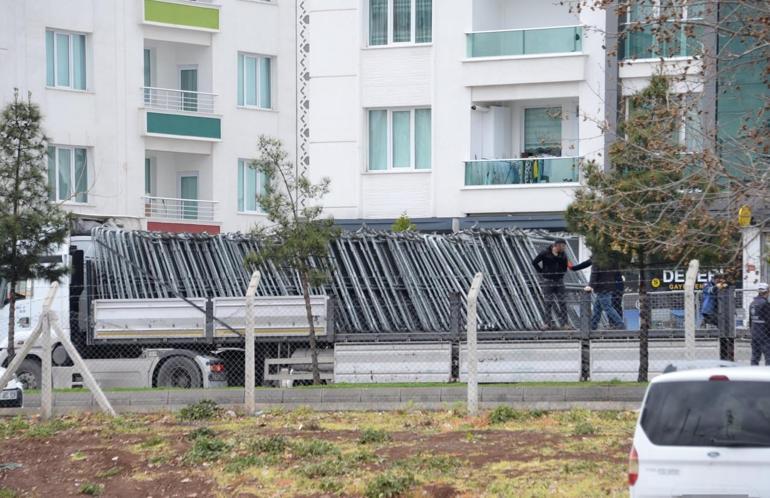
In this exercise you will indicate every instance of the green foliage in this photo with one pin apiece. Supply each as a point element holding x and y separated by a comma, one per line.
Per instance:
<point>8,493</point>
<point>373,436</point>
<point>201,432</point>
<point>584,428</point>
<point>272,445</point>
<point>329,485</point>
<point>152,442</point>
<point>505,413</point>
<point>205,449</point>
<point>438,464</point>
<point>91,489</point>
<point>315,448</point>
<point>324,468</point>
<point>111,472</point>
<point>403,224</point>
<point>13,426</point>
<point>49,429</point>
<point>243,462</point>
<point>389,485</point>
<point>205,409</point>
<point>30,225</point>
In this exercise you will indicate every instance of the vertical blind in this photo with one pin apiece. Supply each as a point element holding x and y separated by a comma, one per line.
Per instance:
<point>406,132</point>
<point>400,18</point>
<point>542,130</point>
<point>422,138</point>
<point>251,184</point>
<point>378,22</point>
<point>378,140</point>
<point>68,174</point>
<point>424,24</point>
<point>254,81</point>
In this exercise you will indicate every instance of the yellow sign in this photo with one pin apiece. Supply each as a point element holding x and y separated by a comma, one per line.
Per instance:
<point>655,283</point>
<point>744,216</point>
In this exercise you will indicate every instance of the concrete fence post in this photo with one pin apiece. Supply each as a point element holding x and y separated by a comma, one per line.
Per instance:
<point>473,378</point>
<point>689,309</point>
<point>46,375</point>
<point>726,321</point>
<point>250,360</point>
<point>585,336</point>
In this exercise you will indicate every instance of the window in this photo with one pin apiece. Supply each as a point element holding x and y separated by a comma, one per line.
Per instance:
<point>68,174</point>
<point>400,21</point>
<point>65,55</point>
<point>254,81</point>
<point>662,28</point>
<point>149,176</point>
<point>399,139</point>
<point>251,184</point>
<point>542,131</point>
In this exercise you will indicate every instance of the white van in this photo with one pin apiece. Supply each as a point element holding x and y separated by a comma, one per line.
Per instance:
<point>704,433</point>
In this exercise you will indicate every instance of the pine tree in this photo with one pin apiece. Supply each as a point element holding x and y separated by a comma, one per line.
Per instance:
<point>659,201</point>
<point>30,225</point>
<point>299,236</point>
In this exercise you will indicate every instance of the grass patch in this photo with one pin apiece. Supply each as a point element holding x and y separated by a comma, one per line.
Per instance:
<point>91,489</point>
<point>201,432</point>
<point>111,472</point>
<point>584,428</point>
<point>313,448</point>
<point>438,464</point>
<point>363,456</point>
<point>243,462</point>
<point>8,493</point>
<point>152,442</point>
<point>205,409</point>
<point>272,445</point>
<point>504,413</point>
<point>206,449</point>
<point>389,485</point>
<point>13,426</point>
<point>373,436</point>
<point>326,468</point>
<point>78,456</point>
<point>49,429</point>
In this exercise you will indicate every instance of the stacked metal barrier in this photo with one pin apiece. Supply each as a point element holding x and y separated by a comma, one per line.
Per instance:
<point>382,281</point>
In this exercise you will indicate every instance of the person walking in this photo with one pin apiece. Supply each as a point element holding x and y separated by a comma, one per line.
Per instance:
<point>552,263</point>
<point>603,284</point>
<point>759,320</point>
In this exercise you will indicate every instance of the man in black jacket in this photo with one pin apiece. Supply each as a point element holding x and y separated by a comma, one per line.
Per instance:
<point>603,283</point>
<point>552,264</point>
<point>759,321</point>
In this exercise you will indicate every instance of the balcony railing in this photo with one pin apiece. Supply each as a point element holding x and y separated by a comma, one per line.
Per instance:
<point>541,170</point>
<point>670,39</point>
<point>168,99</point>
<point>507,43</point>
<point>168,208</point>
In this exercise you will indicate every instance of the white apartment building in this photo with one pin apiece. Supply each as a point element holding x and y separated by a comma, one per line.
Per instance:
<point>456,112</point>
<point>153,107</point>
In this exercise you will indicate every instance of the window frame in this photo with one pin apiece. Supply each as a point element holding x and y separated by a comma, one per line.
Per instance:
<point>73,174</point>
<point>71,54</point>
<point>389,141</point>
<point>626,21</point>
<point>257,85</point>
<point>242,183</point>
<point>391,12</point>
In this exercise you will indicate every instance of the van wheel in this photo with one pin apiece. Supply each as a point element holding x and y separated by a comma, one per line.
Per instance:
<point>179,372</point>
<point>29,374</point>
<point>60,357</point>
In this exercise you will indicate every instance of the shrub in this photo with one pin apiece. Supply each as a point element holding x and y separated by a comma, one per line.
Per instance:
<point>206,449</point>
<point>504,413</point>
<point>202,410</point>
<point>327,468</point>
<point>91,489</point>
<point>313,447</point>
<point>273,445</point>
<point>201,432</point>
<point>373,436</point>
<point>584,429</point>
<point>389,485</point>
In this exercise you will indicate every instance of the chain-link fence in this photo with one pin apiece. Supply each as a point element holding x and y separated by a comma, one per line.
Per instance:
<point>158,311</point>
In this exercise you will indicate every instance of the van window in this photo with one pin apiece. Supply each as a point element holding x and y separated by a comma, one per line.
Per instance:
<point>23,291</point>
<point>708,413</point>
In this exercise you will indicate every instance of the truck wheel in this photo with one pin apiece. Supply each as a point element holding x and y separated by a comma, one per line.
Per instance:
<point>179,372</point>
<point>29,374</point>
<point>60,357</point>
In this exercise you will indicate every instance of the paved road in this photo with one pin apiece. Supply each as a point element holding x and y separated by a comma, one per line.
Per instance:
<point>379,398</point>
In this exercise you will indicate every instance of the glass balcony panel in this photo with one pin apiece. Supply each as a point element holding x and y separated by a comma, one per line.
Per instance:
<point>522,171</point>
<point>525,42</point>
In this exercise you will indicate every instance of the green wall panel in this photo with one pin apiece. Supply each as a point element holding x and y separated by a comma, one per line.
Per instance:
<point>183,15</point>
<point>184,125</point>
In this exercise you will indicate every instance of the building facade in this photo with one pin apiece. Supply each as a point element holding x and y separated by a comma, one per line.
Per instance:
<point>458,113</point>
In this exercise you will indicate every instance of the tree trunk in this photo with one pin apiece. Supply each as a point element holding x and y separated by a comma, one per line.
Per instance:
<point>313,343</point>
<point>11,320</point>
<point>644,321</point>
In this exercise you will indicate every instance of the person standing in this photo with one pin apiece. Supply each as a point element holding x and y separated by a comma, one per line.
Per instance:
<point>709,303</point>
<point>603,283</point>
<point>759,320</point>
<point>552,264</point>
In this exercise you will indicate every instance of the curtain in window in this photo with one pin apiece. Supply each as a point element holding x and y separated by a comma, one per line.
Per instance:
<point>402,139</point>
<point>402,21</point>
<point>378,22</point>
<point>147,176</point>
<point>542,130</point>
<point>251,80</point>
<point>378,140</point>
<point>240,80</point>
<point>424,23</point>
<point>62,60</point>
<point>240,186</point>
<point>422,138</point>
<point>51,173</point>
<point>81,176</point>
<point>250,187</point>
<point>64,173</point>
<point>147,75</point>
<point>264,83</point>
<point>79,62</point>
<point>50,78</point>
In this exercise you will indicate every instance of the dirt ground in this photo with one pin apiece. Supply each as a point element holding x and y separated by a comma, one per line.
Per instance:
<point>302,453</point>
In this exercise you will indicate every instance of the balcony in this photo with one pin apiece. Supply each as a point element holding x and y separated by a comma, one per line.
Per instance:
<point>169,208</point>
<point>539,171</point>
<point>181,114</point>
<point>197,15</point>
<point>519,42</point>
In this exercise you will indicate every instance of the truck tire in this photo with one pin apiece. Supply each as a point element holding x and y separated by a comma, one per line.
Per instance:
<point>60,357</point>
<point>179,372</point>
<point>29,374</point>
